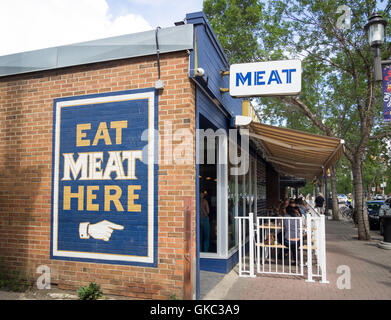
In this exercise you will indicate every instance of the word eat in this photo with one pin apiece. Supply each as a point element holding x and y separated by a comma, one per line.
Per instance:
<point>102,133</point>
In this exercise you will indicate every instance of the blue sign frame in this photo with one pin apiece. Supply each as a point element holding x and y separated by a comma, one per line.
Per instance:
<point>104,178</point>
<point>386,92</point>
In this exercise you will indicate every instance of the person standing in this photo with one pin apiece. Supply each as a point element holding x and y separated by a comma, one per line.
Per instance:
<point>319,203</point>
<point>204,222</point>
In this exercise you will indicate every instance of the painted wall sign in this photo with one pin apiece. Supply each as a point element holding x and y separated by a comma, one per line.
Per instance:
<point>272,78</point>
<point>104,189</point>
<point>387,92</point>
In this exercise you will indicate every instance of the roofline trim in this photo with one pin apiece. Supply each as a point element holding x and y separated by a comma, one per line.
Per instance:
<point>172,39</point>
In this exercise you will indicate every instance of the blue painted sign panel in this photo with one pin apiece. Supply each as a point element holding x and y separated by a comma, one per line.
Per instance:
<point>387,92</point>
<point>104,189</point>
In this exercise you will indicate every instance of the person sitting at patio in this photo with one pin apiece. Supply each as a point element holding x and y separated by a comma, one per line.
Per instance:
<point>292,210</point>
<point>282,211</point>
<point>292,230</point>
<point>275,212</point>
<point>302,208</point>
<point>305,203</point>
<point>204,222</point>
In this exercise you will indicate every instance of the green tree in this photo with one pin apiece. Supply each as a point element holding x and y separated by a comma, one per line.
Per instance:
<point>344,177</point>
<point>237,24</point>
<point>376,166</point>
<point>339,96</point>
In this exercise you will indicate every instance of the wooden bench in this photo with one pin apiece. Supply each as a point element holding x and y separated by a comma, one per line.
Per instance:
<point>277,246</point>
<point>305,247</point>
<point>270,227</point>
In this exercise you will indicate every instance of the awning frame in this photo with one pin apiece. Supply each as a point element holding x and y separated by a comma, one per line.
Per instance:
<point>306,145</point>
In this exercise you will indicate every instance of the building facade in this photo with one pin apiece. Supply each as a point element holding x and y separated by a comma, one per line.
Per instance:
<point>104,155</point>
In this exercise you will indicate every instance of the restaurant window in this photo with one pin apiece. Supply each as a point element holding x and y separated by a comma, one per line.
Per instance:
<point>240,189</point>
<point>247,188</point>
<point>208,183</point>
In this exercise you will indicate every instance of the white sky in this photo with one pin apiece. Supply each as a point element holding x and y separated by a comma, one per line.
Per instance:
<point>35,24</point>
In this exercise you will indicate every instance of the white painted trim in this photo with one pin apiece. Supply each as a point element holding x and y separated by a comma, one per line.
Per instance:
<point>222,179</point>
<point>211,255</point>
<point>219,209</point>
<point>236,211</point>
<point>241,121</point>
<point>256,189</point>
<point>232,251</point>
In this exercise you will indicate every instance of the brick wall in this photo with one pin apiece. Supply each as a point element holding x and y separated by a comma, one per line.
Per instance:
<point>26,124</point>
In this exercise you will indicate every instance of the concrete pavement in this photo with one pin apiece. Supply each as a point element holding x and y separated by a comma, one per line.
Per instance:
<point>370,269</point>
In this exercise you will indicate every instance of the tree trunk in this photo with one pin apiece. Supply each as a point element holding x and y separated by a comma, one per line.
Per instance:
<point>333,178</point>
<point>353,204</point>
<point>359,203</point>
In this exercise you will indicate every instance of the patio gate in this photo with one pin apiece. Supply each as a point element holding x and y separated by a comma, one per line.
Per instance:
<point>276,254</point>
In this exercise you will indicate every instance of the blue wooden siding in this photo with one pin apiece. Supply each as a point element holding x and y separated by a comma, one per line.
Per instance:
<point>209,110</point>
<point>219,265</point>
<point>211,58</point>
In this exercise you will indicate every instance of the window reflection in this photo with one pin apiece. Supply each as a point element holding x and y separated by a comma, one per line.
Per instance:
<point>208,201</point>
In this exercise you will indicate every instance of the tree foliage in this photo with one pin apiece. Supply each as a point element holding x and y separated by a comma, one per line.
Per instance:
<point>339,96</point>
<point>237,25</point>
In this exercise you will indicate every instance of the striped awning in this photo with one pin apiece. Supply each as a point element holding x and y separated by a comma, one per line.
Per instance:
<point>294,152</point>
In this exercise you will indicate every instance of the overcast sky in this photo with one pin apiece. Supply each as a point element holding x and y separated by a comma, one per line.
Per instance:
<point>36,24</point>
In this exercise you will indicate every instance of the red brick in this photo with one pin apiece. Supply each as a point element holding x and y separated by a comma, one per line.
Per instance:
<point>26,113</point>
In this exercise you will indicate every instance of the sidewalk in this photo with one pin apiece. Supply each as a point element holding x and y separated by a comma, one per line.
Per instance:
<point>369,265</point>
<point>370,269</point>
<point>52,294</point>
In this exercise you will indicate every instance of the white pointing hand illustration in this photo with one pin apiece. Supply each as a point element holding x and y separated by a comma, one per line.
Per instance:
<point>99,231</point>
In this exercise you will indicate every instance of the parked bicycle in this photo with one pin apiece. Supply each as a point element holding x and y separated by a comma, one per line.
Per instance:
<point>346,212</point>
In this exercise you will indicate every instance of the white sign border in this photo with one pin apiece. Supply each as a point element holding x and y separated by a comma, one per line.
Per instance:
<point>233,90</point>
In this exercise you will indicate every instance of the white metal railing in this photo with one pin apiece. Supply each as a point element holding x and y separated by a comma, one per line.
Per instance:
<point>316,247</point>
<point>318,231</point>
<point>246,233</point>
<point>264,241</point>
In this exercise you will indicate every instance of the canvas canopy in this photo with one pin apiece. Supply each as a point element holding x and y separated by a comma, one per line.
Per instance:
<point>294,152</point>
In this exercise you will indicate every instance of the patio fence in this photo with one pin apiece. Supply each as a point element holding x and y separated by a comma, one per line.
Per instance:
<point>292,246</point>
